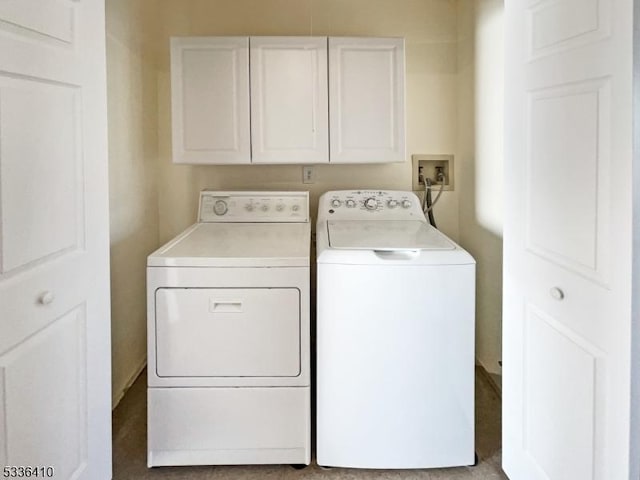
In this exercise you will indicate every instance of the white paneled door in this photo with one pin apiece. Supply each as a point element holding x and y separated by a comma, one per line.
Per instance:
<point>54,278</point>
<point>568,241</point>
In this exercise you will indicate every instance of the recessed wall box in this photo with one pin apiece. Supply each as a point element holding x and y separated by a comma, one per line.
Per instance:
<point>430,166</point>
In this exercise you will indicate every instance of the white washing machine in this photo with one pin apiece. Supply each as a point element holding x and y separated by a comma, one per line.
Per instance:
<point>395,336</point>
<point>228,334</point>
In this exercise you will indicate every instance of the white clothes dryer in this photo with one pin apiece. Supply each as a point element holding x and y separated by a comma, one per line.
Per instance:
<point>228,334</point>
<point>395,336</point>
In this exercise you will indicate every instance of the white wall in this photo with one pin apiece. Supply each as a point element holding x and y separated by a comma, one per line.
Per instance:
<point>429,28</point>
<point>480,162</point>
<point>133,178</point>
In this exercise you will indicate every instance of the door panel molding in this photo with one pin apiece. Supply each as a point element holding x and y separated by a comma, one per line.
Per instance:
<point>27,432</point>
<point>568,182</point>
<point>565,24</point>
<point>564,374</point>
<point>55,216</point>
<point>50,21</point>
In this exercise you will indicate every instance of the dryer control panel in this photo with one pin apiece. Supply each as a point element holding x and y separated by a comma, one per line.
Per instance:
<point>253,207</point>
<point>370,205</point>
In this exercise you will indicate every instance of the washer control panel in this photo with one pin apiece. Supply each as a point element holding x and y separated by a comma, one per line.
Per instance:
<point>371,204</point>
<point>253,207</point>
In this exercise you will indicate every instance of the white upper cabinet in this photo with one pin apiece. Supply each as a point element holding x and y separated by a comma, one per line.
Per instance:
<point>366,100</point>
<point>210,100</point>
<point>289,104</point>
<point>307,100</point>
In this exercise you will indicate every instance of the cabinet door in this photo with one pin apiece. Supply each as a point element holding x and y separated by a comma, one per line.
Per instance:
<point>289,105</point>
<point>366,101</point>
<point>210,99</point>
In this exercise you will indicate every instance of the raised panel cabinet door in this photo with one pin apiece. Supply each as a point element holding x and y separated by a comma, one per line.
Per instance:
<point>569,377</point>
<point>55,355</point>
<point>289,104</point>
<point>210,100</point>
<point>366,100</point>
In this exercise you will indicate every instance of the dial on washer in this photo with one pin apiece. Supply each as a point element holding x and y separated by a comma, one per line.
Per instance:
<point>371,203</point>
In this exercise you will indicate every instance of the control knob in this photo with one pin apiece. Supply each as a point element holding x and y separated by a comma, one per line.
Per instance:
<point>350,203</point>
<point>295,208</point>
<point>279,207</point>
<point>335,203</point>
<point>392,203</point>
<point>370,203</point>
<point>264,207</point>
<point>406,204</point>
<point>220,207</point>
<point>248,207</point>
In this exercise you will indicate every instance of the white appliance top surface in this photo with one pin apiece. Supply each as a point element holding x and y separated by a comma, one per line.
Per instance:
<point>243,229</point>
<point>386,235</point>
<point>237,245</point>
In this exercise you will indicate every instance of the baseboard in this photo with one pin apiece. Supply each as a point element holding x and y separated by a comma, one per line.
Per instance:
<point>117,396</point>
<point>494,379</point>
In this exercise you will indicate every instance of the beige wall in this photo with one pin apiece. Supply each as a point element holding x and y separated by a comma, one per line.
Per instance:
<point>454,83</point>
<point>133,174</point>
<point>429,27</point>
<point>480,162</point>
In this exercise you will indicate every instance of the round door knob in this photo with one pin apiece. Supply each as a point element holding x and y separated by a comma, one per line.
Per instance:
<point>392,203</point>
<point>45,298</point>
<point>406,204</point>
<point>556,293</point>
<point>370,203</point>
<point>350,203</point>
<point>220,207</point>
<point>335,203</point>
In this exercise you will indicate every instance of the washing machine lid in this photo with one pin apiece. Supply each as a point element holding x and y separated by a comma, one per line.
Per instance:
<point>386,235</point>
<point>237,245</point>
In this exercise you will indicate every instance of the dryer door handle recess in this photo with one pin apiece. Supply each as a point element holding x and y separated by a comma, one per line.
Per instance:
<point>225,306</point>
<point>397,254</point>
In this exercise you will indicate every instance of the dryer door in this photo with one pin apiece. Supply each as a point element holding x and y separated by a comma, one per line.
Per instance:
<point>228,332</point>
